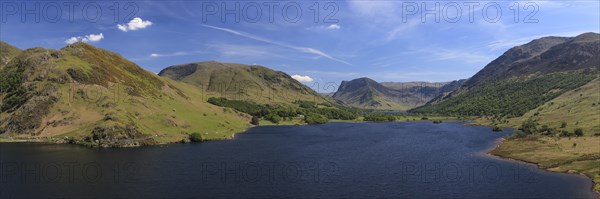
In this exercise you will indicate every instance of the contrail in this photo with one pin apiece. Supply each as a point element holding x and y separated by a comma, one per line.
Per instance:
<point>298,48</point>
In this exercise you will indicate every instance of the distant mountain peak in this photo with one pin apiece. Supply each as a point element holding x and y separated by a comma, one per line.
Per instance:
<point>367,93</point>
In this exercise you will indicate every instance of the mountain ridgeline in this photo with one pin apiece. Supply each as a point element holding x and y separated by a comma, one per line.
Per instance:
<point>369,94</point>
<point>524,78</point>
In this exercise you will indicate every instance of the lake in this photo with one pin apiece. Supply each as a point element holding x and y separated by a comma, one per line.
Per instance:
<point>335,160</point>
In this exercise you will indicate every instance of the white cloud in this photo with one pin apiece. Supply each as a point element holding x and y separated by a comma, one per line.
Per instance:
<point>301,78</point>
<point>333,27</point>
<point>135,24</point>
<point>86,38</point>
<point>298,48</point>
<point>181,53</point>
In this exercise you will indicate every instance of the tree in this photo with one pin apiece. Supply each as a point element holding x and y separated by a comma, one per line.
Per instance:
<point>196,137</point>
<point>255,120</point>
<point>578,132</point>
<point>274,118</point>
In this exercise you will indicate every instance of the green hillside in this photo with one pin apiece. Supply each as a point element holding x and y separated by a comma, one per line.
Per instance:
<point>92,96</point>
<point>524,78</point>
<point>242,82</point>
<point>578,108</point>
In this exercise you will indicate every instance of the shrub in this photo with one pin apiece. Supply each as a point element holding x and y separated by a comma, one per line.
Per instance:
<point>273,118</point>
<point>519,134</point>
<point>437,121</point>
<point>578,132</point>
<point>196,137</point>
<point>305,104</point>
<point>563,125</point>
<point>529,126</point>
<point>565,133</point>
<point>379,118</point>
<point>254,120</point>
<point>242,106</point>
<point>424,118</point>
<point>313,118</point>
<point>496,129</point>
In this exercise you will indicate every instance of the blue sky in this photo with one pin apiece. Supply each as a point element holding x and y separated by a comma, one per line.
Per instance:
<point>383,40</point>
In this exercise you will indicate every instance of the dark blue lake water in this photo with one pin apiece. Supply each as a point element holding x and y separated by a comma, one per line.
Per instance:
<point>336,160</point>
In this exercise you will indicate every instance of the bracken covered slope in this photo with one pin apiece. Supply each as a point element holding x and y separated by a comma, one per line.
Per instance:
<point>93,96</point>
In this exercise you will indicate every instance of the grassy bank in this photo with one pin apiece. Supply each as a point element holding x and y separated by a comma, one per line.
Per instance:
<point>579,155</point>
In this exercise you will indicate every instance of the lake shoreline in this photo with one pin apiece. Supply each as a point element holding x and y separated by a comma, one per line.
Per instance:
<point>57,140</point>
<point>491,152</point>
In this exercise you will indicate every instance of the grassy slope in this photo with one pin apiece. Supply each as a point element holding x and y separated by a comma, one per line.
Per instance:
<point>169,118</point>
<point>580,108</point>
<point>243,82</point>
<point>100,95</point>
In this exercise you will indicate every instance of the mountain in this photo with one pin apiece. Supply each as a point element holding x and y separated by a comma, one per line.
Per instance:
<point>367,93</point>
<point>542,56</point>
<point>96,97</point>
<point>524,77</point>
<point>242,82</point>
<point>7,52</point>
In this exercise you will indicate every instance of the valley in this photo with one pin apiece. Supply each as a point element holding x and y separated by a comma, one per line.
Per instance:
<point>546,89</point>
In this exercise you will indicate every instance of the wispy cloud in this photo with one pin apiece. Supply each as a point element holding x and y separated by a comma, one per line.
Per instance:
<point>466,56</point>
<point>441,54</point>
<point>333,74</point>
<point>236,50</point>
<point>273,42</point>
